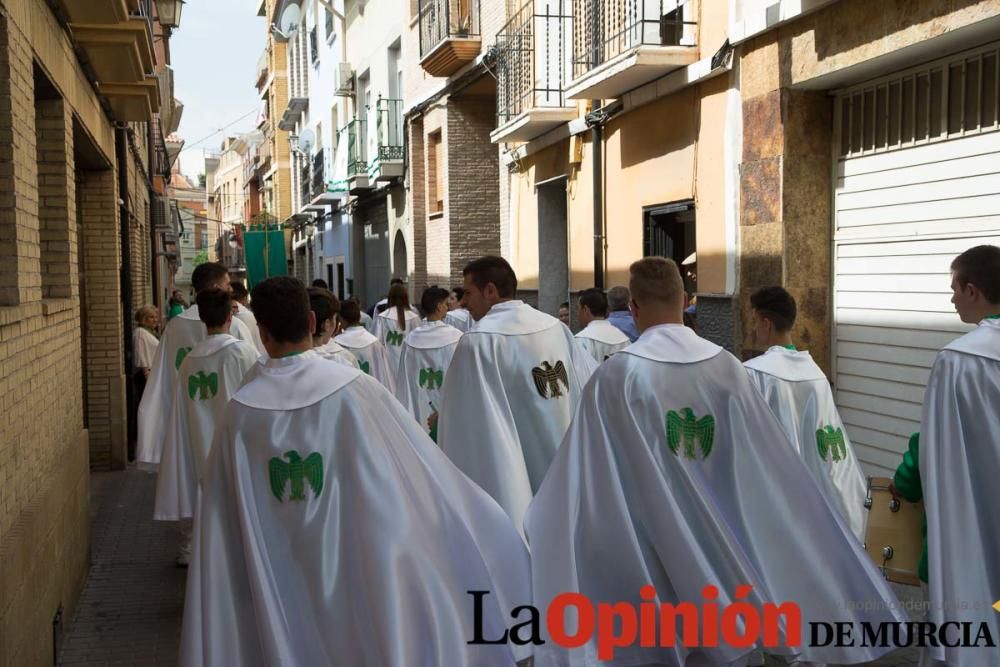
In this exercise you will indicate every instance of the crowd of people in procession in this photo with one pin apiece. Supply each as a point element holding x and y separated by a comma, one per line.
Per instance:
<point>353,476</point>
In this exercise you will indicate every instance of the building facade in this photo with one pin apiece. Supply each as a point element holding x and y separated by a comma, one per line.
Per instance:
<point>78,244</point>
<point>775,143</point>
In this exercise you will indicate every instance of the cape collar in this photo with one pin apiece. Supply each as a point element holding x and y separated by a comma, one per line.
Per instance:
<point>390,314</point>
<point>295,382</point>
<point>983,341</point>
<point>603,332</point>
<point>673,343</point>
<point>433,335</point>
<point>331,347</point>
<point>787,365</point>
<point>211,345</point>
<point>356,338</point>
<point>514,318</point>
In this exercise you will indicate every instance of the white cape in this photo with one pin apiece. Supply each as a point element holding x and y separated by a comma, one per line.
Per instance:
<point>155,410</point>
<point>210,374</point>
<point>460,319</point>
<point>627,505</point>
<point>391,336</point>
<point>363,555</point>
<point>601,339</point>
<point>423,367</point>
<point>959,468</point>
<point>799,395</point>
<point>335,352</point>
<point>367,322</point>
<point>499,423</point>
<point>370,353</point>
<point>246,316</point>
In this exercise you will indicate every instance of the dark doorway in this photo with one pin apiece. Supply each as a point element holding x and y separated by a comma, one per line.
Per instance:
<point>669,231</point>
<point>553,250</point>
<point>329,279</point>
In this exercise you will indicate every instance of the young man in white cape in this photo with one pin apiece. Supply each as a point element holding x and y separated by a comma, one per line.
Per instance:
<point>960,464</point>
<point>598,337</point>
<point>424,362</point>
<point>458,316</point>
<point>512,388</point>
<point>241,299</point>
<point>182,333</point>
<point>210,373</point>
<point>799,395</point>
<point>366,348</point>
<point>675,477</point>
<point>326,308</point>
<point>332,531</point>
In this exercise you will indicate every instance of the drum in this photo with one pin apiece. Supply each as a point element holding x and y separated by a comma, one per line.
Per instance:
<point>894,534</point>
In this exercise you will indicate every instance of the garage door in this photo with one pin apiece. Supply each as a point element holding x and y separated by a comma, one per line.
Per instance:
<point>918,182</point>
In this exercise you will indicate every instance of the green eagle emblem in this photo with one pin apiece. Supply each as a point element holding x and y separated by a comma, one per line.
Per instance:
<point>431,379</point>
<point>394,338</point>
<point>684,428</point>
<point>548,377</point>
<point>179,359</point>
<point>365,367</point>
<point>831,444</point>
<point>298,471</point>
<point>203,387</point>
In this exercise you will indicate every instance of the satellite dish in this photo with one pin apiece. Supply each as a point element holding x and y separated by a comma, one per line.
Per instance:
<point>306,142</point>
<point>288,24</point>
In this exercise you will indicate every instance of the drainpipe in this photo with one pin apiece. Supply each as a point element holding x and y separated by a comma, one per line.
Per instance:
<point>125,275</point>
<point>597,140</point>
<point>153,197</point>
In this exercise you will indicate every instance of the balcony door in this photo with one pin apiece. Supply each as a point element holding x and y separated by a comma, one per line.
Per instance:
<point>553,246</point>
<point>669,231</point>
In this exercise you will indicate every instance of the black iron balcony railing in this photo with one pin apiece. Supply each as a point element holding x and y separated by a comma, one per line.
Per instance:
<point>145,12</point>
<point>532,58</point>
<point>357,137</point>
<point>389,115</point>
<point>319,174</point>
<point>442,19</point>
<point>305,182</point>
<point>604,29</point>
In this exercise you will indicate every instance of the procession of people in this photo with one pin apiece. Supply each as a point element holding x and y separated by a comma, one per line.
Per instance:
<point>401,493</point>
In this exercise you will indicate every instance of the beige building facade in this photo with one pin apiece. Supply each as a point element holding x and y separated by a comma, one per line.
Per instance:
<point>776,143</point>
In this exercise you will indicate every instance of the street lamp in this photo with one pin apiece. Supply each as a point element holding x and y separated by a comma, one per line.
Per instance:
<point>170,12</point>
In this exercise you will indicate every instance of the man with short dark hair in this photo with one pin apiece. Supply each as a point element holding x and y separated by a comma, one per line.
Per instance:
<point>179,338</point>
<point>372,356</point>
<point>326,307</point>
<point>512,387</point>
<point>209,375</point>
<point>686,480</point>
<point>619,315</point>
<point>960,461</point>
<point>598,337</point>
<point>319,282</point>
<point>457,316</point>
<point>331,530</point>
<point>240,292</point>
<point>799,395</point>
<point>425,358</point>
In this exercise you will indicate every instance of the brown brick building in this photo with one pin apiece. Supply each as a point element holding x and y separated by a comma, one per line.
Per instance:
<point>77,253</point>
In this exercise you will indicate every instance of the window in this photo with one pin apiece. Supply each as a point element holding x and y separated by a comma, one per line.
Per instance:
<point>669,231</point>
<point>329,23</point>
<point>672,28</point>
<point>314,44</point>
<point>435,173</point>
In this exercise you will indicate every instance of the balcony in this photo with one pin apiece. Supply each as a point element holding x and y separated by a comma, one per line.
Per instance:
<point>293,112</point>
<point>133,102</point>
<point>388,163</point>
<point>305,183</point>
<point>357,162</point>
<point>619,45</point>
<point>322,195</point>
<point>533,67</point>
<point>263,69</point>
<point>449,35</point>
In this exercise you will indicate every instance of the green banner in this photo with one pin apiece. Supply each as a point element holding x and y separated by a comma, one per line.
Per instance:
<point>265,253</point>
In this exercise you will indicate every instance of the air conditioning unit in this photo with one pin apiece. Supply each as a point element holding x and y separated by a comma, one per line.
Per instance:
<point>343,83</point>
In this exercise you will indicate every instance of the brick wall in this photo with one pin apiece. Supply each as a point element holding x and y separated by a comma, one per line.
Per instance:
<point>57,197</point>
<point>416,204</point>
<point>473,182</point>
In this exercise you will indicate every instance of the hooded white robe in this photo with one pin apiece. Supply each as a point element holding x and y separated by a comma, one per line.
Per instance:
<point>246,316</point>
<point>391,336</point>
<point>156,408</point>
<point>799,395</point>
<point>209,375</point>
<point>601,339</point>
<point>370,353</point>
<point>370,565</point>
<point>335,352</point>
<point>460,319</point>
<point>423,366</point>
<point>497,423</point>
<point>624,505</point>
<point>960,469</point>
